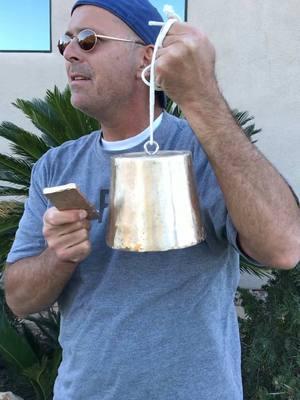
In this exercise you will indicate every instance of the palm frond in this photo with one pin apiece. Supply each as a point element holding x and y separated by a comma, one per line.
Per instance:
<point>6,241</point>
<point>251,131</point>
<point>24,349</point>
<point>48,324</point>
<point>13,348</point>
<point>12,178</point>
<point>44,119</point>
<point>22,142</point>
<point>253,270</point>
<point>13,191</point>
<point>10,214</point>
<point>243,118</point>
<point>13,164</point>
<point>74,121</point>
<point>14,170</point>
<point>7,226</point>
<point>56,118</point>
<point>172,108</point>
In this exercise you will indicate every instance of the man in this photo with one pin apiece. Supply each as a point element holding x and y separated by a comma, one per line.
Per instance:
<point>148,325</point>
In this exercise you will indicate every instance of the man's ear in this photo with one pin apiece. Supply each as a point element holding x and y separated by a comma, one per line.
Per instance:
<point>146,59</point>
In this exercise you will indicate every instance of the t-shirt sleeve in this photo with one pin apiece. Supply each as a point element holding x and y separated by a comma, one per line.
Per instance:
<point>29,240</point>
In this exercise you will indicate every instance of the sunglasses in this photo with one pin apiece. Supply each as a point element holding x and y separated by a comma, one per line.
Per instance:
<point>87,40</point>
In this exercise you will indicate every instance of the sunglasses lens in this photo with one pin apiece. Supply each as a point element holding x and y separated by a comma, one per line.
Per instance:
<point>87,40</point>
<point>63,43</point>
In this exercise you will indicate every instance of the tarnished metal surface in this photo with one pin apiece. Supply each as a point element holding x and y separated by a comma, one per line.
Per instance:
<point>153,203</point>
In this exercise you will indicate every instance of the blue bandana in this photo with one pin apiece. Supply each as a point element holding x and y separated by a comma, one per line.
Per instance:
<point>135,13</point>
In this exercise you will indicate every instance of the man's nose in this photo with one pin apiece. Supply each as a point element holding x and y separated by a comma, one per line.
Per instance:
<point>72,51</point>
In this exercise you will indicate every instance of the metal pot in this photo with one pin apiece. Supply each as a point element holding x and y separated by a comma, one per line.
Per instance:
<point>153,202</point>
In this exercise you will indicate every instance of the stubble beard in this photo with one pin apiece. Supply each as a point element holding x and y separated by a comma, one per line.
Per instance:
<point>106,101</point>
<point>96,107</point>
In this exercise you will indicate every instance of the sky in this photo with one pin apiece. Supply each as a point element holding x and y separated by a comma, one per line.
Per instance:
<point>178,5</point>
<point>25,25</point>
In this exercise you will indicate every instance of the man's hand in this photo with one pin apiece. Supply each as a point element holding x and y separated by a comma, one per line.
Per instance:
<point>33,284</point>
<point>67,234</point>
<point>185,66</point>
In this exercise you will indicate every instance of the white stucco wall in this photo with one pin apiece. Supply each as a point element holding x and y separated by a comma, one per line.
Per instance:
<point>258,65</point>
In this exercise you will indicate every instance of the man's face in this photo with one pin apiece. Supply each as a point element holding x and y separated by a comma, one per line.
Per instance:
<point>104,79</point>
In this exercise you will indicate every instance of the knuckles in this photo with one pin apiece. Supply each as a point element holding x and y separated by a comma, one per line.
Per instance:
<point>191,43</point>
<point>188,43</point>
<point>49,216</point>
<point>62,254</point>
<point>83,234</point>
<point>78,252</point>
<point>46,231</point>
<point>183,58</point>
<point>55,217</point>
<point>86,247</point>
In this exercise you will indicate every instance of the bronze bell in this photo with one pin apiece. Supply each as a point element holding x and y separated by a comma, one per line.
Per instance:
<point>153,202</point>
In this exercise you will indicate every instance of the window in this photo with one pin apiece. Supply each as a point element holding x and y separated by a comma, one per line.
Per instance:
<point>180,7</point>
<point>25,25</point>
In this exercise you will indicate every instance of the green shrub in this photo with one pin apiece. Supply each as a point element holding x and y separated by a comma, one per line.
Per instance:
<point>270,336</point>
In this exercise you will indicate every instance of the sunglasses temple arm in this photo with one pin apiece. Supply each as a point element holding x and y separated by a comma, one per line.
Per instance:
<point>118,39</point>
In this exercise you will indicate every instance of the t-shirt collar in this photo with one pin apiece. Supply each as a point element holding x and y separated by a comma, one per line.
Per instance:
<point>131,142</point>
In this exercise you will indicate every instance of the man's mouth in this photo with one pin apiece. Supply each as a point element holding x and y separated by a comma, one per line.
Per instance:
<point>78,77</point>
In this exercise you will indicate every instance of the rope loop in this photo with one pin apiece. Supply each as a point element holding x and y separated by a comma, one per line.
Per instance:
<point>151,148</point>
<point>166,26</point>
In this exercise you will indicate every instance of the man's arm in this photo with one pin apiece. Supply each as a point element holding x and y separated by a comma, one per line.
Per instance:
<point>33,284</point>
<point>259,201</point>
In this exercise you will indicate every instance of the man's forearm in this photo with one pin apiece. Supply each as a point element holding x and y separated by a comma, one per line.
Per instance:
<point>34,284</point>
<point>259,201</point>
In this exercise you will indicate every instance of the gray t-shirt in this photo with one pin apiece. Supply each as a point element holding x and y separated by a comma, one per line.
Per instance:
<point>137,326</point>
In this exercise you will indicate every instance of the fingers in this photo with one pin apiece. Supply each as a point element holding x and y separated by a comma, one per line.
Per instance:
<point>71,253</point>
<point>181,31</point>
<point>75,254</point>
<point>185,66</point>
<point>55,217</point>
<point>58,239</point>
<point>178,28</point>
<point>67,233</point>
<point>64,229</point>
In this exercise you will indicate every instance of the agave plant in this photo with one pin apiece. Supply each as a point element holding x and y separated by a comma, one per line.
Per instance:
<point>270,336</point>
<point>31,351</point>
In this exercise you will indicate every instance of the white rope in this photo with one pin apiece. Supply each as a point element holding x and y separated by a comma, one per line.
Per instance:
<point>168,10</point>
